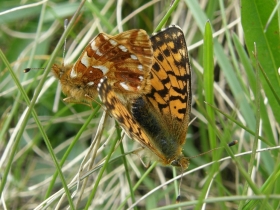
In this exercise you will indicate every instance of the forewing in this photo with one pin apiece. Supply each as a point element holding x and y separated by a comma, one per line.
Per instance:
<point>170,93</point>
<point>125,59</point>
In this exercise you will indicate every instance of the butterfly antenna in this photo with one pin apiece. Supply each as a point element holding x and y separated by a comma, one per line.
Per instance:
<point>178,199</point>
<point>64,48</point>
<point>26,70</point>
<point>229,144</point>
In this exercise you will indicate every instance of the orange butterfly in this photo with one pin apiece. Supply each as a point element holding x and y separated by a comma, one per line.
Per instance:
<point>158,119</point>
<point>125,59</point>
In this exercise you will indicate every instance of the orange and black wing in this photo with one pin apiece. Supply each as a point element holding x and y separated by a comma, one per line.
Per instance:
<point>164,112</point>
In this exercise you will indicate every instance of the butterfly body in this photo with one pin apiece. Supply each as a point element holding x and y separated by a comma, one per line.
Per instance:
<point>158,119</point>
<point>125,59</point>
<point>165,139</point>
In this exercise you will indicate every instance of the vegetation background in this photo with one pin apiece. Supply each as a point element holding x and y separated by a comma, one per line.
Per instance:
<point>38,131</point>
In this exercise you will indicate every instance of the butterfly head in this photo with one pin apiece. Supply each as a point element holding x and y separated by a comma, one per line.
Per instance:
<point>74,86</point>
<point>182,162</point>
<point>59,70</point>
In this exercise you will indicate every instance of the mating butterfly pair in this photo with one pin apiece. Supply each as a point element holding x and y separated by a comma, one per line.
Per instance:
<point>145,83</point>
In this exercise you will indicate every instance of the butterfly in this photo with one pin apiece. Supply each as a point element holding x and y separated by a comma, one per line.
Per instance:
<point>158,119</point>
<point>125,59</point>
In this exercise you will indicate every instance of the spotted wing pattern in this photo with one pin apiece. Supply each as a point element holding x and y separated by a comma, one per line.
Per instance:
<point>125,59</point>
<point>159,119</point>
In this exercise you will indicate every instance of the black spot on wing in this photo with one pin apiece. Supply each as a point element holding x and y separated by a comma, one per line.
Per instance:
<point>166,52</point>
<point>160,57</point>
<point>156,66</point>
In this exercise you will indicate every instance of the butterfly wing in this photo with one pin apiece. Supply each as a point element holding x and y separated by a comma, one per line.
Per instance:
<point>125,59</point>
<point>164,112</point>
<point>171,93</point>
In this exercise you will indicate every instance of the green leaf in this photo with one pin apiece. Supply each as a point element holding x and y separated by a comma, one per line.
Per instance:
<point>254,16</point>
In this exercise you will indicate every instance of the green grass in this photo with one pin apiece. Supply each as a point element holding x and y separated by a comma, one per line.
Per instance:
<point>46,144</point>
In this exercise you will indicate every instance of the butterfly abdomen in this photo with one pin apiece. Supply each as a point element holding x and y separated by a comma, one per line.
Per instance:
<point>151,125</point>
